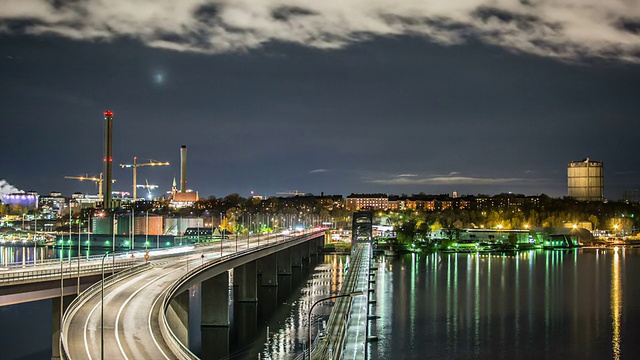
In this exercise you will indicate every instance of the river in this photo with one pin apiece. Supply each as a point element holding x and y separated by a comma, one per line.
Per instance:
<point>545,304</point>
<point>576,304</point>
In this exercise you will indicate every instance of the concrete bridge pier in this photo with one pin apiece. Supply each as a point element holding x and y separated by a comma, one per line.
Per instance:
<point>319,245</point>
<point>306,253</point>
<point>268,267</point>
<point>297,255</point>
<point>313,250</point>
<point>57,311</point>
<point>284,261</point>
<point>245,277</point>
<point>178,316</point>
<point>215,300</point>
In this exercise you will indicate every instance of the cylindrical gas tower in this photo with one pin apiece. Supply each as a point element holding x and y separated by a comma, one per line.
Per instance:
<point>107,160</point>
<point>586,180</point>
<point>183,169</point>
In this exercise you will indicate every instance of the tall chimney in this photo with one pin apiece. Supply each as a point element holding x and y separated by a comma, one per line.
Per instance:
<point>107,159</point>
<point>183,169</point>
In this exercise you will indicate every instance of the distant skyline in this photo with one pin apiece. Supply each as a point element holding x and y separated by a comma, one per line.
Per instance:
<point>396,97</point>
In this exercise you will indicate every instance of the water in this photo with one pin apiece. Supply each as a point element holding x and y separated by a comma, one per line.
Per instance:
<point>276,326</point>
<point>579,304</point>
<point>11,255</point>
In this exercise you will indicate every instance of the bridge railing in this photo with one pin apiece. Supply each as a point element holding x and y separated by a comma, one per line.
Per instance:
<point>77,303</point>
<point>331,345</point>
<point>170,337</point>
<point>64,268</point>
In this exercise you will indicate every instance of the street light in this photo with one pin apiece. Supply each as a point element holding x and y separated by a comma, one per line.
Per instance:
<point>221,236</point>
<point>35,239</point>
<point>102,307</point>
<point>79,250</point>
<point>146,232</point>
<point>351,294</point>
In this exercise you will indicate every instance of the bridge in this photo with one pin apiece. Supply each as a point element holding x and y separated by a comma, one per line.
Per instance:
<point>347,329</point>
<point>145,309</point>
<point>147,313</point>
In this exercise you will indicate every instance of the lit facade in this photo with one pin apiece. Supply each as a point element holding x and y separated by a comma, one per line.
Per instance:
<point>25,200</point>
<point>585,180</point>
<point>356,202</point>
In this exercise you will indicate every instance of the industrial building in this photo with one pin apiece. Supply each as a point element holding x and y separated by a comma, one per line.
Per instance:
<point>27,200</point>
<point>107,160</point>
<point>183,197</point>
<point>585,180</point>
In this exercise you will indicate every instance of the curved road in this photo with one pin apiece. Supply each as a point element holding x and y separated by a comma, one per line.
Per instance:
<point>131,310</point>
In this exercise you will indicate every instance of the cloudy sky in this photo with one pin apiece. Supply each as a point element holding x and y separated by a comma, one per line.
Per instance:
<point>334,96</point>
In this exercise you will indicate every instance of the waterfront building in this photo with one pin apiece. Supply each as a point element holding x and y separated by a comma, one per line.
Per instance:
<point>25,200</point>
<point>356,202</point>
<point>52,205</point>
<point>585,180</point>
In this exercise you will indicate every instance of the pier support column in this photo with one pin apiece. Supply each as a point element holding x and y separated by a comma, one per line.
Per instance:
<point>269,267</point>
<point>215,301</point>
<point>56,312</point>
<point>296,256</point>
<point>195,314</point>
<point>320,244</point>
<point>304,250</point>
<point>284,262</point>
<point>246,278</point>
<point>178,317</point>
<point>313,250</point>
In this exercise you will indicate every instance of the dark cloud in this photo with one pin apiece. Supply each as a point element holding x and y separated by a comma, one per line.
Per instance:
<point>272,109</point>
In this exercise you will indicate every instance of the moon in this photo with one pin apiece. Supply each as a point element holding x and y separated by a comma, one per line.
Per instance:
<point>159,78</point>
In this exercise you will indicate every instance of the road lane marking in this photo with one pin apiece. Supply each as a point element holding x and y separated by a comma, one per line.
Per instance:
<point>86,324</point>
<point>149,320</point>
<point>122,308</point>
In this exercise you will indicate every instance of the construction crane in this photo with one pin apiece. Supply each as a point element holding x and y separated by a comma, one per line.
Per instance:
<point>292,192</point>
<point>148,187</point>
<point>97,180</point>
<point>135,166</point>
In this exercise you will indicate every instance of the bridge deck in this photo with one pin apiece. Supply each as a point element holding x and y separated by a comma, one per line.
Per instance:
<point>134,306</point>
<point>346,328</point>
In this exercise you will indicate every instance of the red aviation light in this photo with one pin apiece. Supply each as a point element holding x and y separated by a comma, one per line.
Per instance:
<point>108,113</point>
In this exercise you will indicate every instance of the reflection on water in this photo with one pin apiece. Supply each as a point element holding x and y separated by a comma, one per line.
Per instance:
<point>579,304</point>
<point>526,305</point>
<point>616,303</point>
<point>24,255</point>
<point>276,327</point>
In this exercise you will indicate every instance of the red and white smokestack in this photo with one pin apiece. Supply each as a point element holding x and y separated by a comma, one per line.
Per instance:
<point>183,169</point>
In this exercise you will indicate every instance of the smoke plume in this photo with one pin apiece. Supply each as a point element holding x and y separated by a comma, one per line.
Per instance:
<point>6,188</point>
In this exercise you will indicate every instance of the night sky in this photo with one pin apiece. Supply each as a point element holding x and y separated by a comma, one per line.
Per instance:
<point>335,97</point>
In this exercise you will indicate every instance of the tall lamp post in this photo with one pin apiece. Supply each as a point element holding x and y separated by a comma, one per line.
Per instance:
<point>79,241</point>
<point>114,229</point>
<point>146,238</point>
<point>35,239</point>
<point>221,236</point>
<point>102,308</point>
<point>351,294</point>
